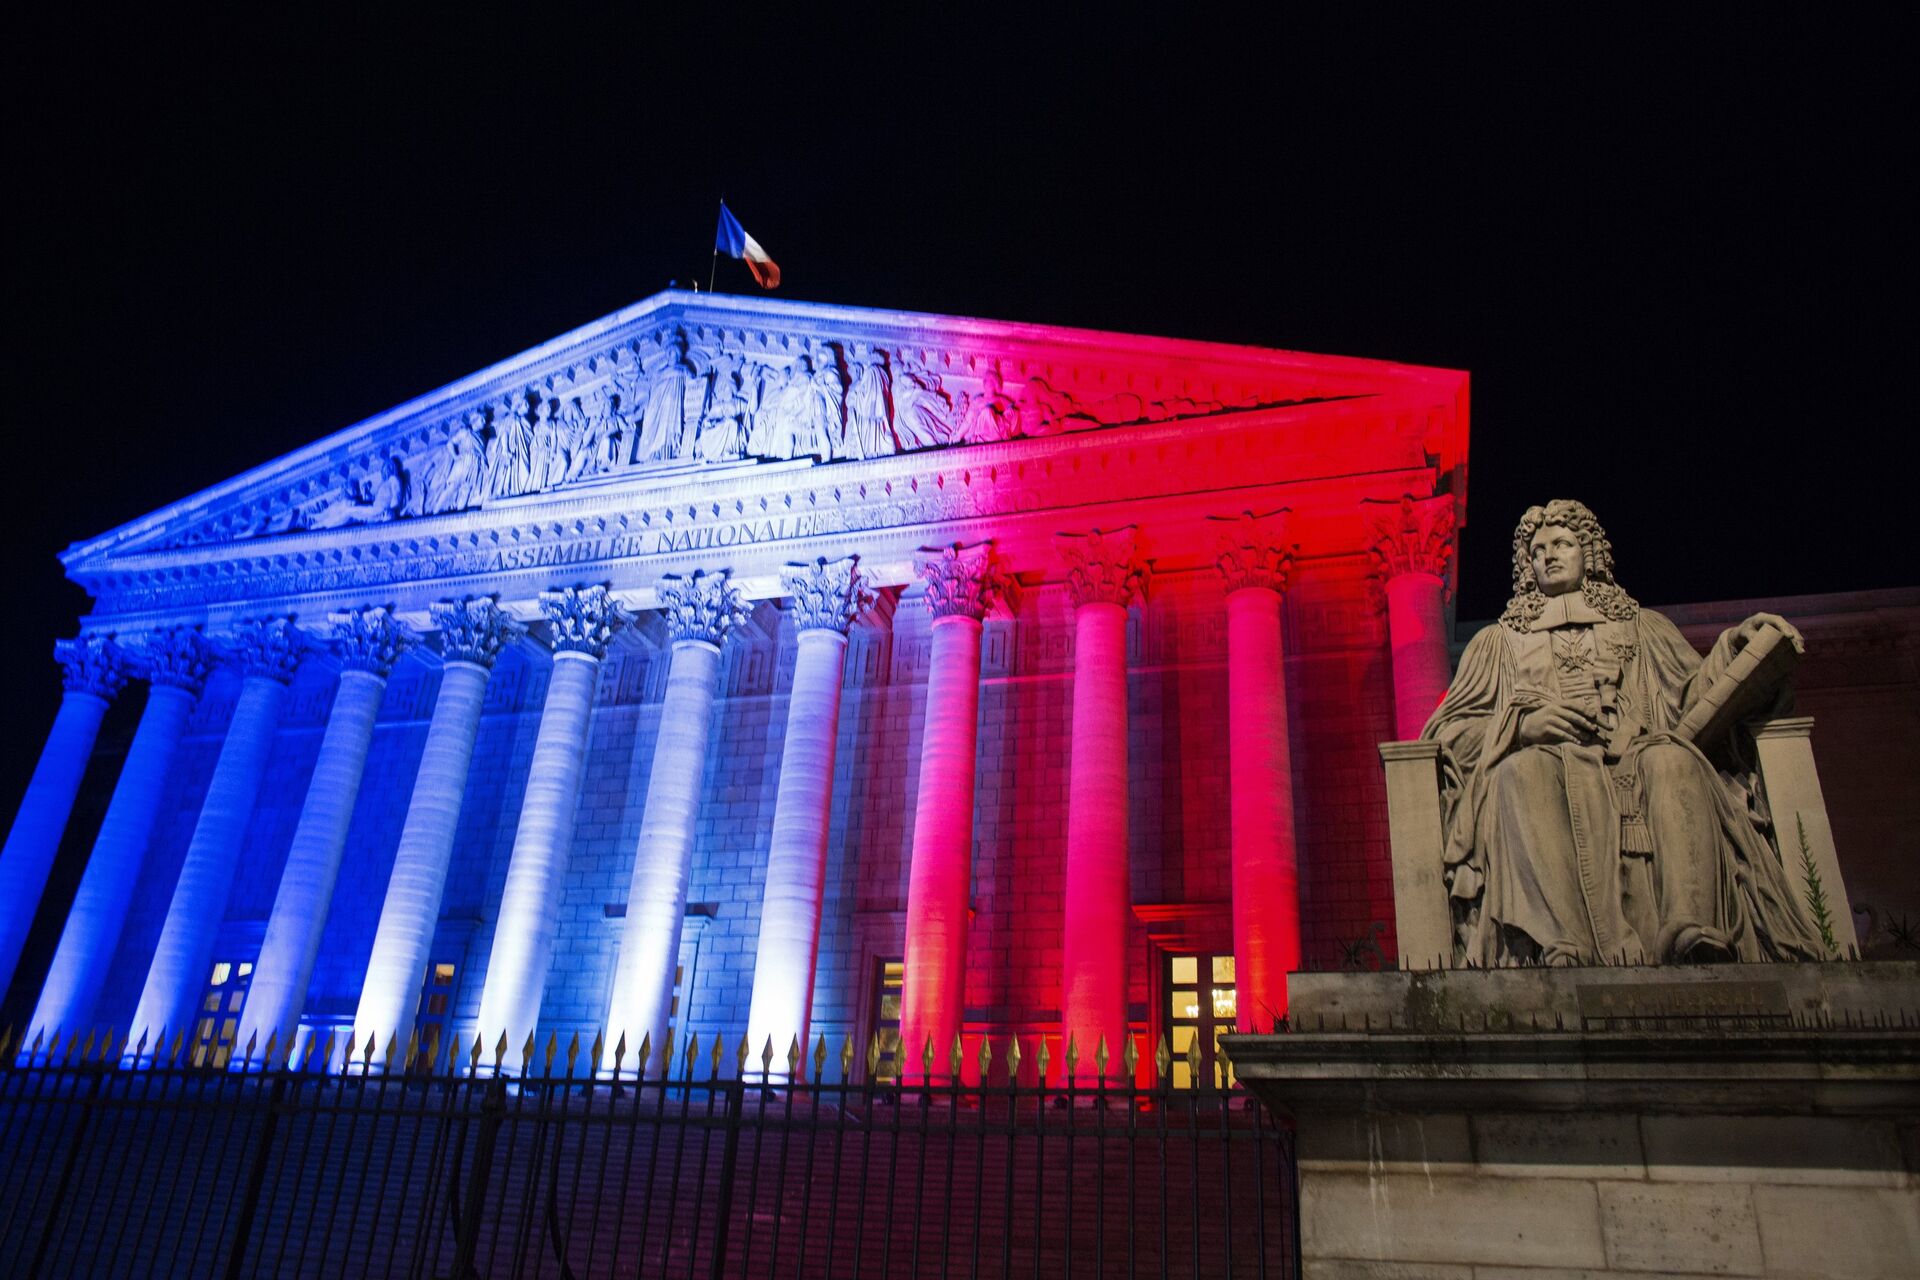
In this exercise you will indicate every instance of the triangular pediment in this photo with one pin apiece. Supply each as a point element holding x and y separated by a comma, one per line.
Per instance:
<point>686,383</point>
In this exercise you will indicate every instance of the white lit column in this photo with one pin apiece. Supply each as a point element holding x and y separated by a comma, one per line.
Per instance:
<point>582,621</point>
<point>1412,545</point>
<point>962,582</point>
<point>699,611</point>
<point>826,598</point>
<point>1255,560</point>
<point>472,634</point>
<point>267,650</point>
<point>368,642</point>
<point>175,663</point>
<point>1103,578</point>
<point>92,673</point>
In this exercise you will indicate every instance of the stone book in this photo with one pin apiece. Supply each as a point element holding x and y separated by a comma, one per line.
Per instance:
<point>1746,687</point>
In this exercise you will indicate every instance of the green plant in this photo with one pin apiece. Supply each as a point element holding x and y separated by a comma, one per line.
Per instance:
<point>1816,892</point>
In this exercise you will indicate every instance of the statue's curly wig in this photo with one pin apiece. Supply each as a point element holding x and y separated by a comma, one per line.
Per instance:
<point>1601,591</point>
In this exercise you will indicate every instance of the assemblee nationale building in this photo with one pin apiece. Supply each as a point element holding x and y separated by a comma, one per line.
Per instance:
<point>732,666</point>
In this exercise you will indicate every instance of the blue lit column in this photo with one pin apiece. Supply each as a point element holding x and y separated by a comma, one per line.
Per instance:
<point>826,598</point>
<point>175,663</point>
<point>472,634</point>
<point>699,612</point>
<point>93,673</point>
<point>368,642</point>
<point>583,621</point>
<point>267,651</point>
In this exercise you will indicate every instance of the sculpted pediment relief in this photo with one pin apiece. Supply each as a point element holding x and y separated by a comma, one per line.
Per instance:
<point>677,390</point>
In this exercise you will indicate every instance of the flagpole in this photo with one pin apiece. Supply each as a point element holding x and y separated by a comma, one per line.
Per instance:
<point>714,265</point>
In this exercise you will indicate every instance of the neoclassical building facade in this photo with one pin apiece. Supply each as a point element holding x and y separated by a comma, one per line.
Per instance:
<point>729,666</point>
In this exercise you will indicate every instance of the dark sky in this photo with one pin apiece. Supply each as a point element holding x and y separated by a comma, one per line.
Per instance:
<point>1666,244</point>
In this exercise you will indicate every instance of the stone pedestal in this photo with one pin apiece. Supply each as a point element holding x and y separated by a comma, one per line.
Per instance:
<point>1742,1120</point>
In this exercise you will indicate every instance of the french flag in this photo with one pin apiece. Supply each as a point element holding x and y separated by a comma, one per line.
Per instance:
<point>732,239</point>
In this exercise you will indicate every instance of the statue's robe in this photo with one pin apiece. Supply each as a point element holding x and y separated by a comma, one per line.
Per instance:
<point>1556,853</point>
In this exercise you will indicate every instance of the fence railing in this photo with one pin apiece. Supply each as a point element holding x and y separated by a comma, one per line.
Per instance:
<point>464,1167</point>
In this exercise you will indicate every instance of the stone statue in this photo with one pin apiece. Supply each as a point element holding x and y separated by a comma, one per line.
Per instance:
<point>547,464</point>
<point>454,480</point>
<point>922,414</point>
<point>991,416</point>
<point>663,423</point>
<point>810,409</point>
<point>384,499</point>
<point>508,453</point>
<point>869,432</point>
<point>1581,827</point>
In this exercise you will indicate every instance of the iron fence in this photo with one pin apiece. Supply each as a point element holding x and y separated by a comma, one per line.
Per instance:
<point>465,1168</point>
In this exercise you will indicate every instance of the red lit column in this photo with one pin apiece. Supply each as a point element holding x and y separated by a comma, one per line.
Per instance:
<point>93,672</point>
<point>961,584</point>
<point>1255,560</point>
<point>1412,545</point>
<point>1103,578</point>
<point>826,598</point>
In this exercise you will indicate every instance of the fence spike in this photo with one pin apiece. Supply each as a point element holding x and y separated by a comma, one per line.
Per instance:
<point>1040,1063</point>
<point>500,1050</point>
<point>846,1061</point>
<point>1072,1057</point>
<point>713,1060</point>
<point>1130,1056</point>
<point>177,1054</point>
<point>246,1057</point>
<point>793,1058</point>
<point>93,1036</point>
<point>645,1060</point>
<point>619,1053</point>
<point>346,1054</point>
<point>986,1058</point>
<point>926,1058</point>
<point>873,1056</point>
<point>40,1034</point>
<point>820,1059</point>
<point>597,1052</point>
<point>693,1052</point>
<point>432,1051</point>
<point>1100,1057</point>
<point>546,1063</point>
<point>473,1054</point>
<point>573,1053</point>
<point>666,1054</point>
<point>766,1059</point>
<point>1013,1062</point>
<point>740,1055</point>
<point>73,1042</point>
<point>139,1050</point>
<point>366,1051</point>
<point>106,1048</point>
<point>1163,1059</point>
<point>6,1041</point>
<point>412,1053</point>
<point>266,1057</point>
<point>955,1059</point>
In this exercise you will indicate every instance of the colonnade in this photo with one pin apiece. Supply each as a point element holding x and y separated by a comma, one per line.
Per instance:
<point>1105,575</point>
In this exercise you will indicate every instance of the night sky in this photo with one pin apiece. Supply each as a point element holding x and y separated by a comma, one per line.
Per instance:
<point>1665,245</point>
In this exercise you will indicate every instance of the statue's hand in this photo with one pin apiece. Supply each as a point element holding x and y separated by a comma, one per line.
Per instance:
<point>1751,628</point>
<point>1556,722</point>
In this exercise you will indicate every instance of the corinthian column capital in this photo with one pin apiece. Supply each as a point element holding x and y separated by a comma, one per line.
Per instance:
<point>1102,566</point>
<point>583,619</point>
<point>1413,535</point>
<point>474,629</point>
<point>827,594</point>
<point>704,607</point>
<point>175,657</point>
<point>1255,551</point>
<point>370,639</point>
<point>962,581</point>
<point>271,647</point>
<point>91,664</point>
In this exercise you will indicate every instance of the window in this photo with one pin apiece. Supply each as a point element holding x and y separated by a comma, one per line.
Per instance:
<point>436,1011</point>
<point>889,978</point>
<point>1201,1007</point>
<point>219,1022</point>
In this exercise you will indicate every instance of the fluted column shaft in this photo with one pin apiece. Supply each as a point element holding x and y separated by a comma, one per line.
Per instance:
<point>99,911</point>
<point>827,597</point>
<point>369,642</point>
<point>663,862</point>
<point>183,958</point>
<point>1422,667</point>
<point>542,844</point>
<point>940,878</point>
<point>472,635</point>
<point>1266,879</point>
<point>93,677</point>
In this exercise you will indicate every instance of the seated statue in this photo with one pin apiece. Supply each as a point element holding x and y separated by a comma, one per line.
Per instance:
<point>1583,825</point>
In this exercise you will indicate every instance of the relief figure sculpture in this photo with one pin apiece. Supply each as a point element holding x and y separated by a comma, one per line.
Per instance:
<point>508,454</point>
<point>663,422</point>
<point>922,414</point>
<point>869,432</point>
<point>1583,823</point>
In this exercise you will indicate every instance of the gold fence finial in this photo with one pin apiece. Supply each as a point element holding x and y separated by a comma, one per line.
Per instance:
<point>1072,1058</point>
<point>1130,1056</point>
<point>986,1058</point>
<point>500,1049</point>
<point>573,1053</point>
<point>553,1047</point>
<point>597,1052</point>
<point>346,1054</point>
<point>1101,1058</point>
<point>846,1060</point>
<point>955,1059</point>
<point>6,1043</point>
<point>246,1058</point>
<point>1013,1062</point>
<point>1162,1059</point>
<point>693,1052</point>
<point>642,1063</point>
<point>713,1059</point>
<point>741,1053</point>
<point>273,1043</point>
<point>619,1052</point>
<point>926,1059</point>
<point>1040,1063</point>
<point>666,1055</point>
<point>793,1058</point>
<point>412,1053</point>
<point>820,1059</point>
<point>766,1059</point>
<point>873,1056</point>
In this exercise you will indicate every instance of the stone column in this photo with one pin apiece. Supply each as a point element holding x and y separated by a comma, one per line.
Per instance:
<point>962,583</point>
<point>1103,579</point>
<point>583,621</point>
<point>267,651</point>
<point>368,642</point>
<point>1412,546</point>
<point>699,611</point>
<point>175,663</point>
<point>826,598</point>
<point>472,634</point>
<point>1255,559</point>
<point>93,671</point>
